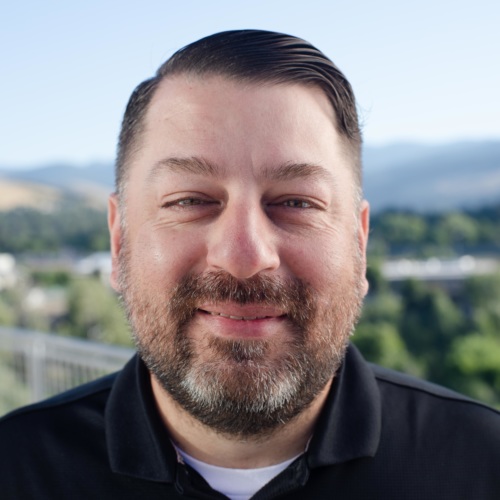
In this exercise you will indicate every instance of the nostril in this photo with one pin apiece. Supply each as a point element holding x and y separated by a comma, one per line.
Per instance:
<point>241,245</point>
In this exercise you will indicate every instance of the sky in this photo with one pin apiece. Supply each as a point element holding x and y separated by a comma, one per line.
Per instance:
<point>424,71</point>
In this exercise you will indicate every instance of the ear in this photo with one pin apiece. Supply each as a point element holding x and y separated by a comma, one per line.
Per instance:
<point>363,230</point>
<point>115,234</point>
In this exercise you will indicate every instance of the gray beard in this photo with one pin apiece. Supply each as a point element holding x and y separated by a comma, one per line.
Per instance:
<point>244,388</point>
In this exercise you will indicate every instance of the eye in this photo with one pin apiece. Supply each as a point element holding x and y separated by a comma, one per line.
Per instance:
<point>186,202</point>
<point>189,202</point>
<point>184,207</point>
<point>297,203</point>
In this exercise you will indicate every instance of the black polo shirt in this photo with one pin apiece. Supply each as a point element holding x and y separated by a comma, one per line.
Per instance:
<point>381,435</point>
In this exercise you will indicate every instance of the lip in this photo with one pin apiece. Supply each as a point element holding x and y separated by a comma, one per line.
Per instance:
<point>246,312</point>
<point>240,318</point>
<point>242,321</point>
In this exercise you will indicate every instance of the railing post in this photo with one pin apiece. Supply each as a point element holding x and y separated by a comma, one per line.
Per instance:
<point>42,364</point>
<point>36,363</point>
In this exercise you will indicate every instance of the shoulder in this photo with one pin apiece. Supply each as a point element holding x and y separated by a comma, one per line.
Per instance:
<point>71,408</point>
<point>438,410</point>
<point>46,446</point>
<point>411,386</point>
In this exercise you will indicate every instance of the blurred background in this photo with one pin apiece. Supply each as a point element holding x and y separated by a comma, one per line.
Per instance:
<point>426,77</point>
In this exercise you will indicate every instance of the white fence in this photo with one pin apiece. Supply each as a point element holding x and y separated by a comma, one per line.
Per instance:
<point>36,365</point>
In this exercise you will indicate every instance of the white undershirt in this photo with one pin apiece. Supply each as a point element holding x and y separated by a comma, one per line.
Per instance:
<point>237,484</point>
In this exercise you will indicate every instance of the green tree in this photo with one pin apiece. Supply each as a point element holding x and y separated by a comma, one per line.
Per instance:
<point>94,313</point>
<point>382,307</point>
<point>475,359</point>
<point>7,314</point>
<point>400,228</point>
<point>381,343</point>
<point>71,225</point>
<point>456,230</point>
<point>377,334</point>
<point>375,277</point>
<point>482,297</point>
<point>429,323</point>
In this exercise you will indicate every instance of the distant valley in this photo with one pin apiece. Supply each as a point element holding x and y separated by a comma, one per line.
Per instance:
<point>417,177</point>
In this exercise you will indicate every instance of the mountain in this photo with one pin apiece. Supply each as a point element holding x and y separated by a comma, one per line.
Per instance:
<point>405,176</point>
<point>432,178</point>
<point>14,193</point>
<point>91,184</point>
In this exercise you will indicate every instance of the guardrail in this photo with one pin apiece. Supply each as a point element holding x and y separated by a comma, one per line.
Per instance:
<point>35,365</point>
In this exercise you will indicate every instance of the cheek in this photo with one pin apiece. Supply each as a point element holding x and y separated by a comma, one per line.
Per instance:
<point>323,262</point>
<point>164,256</point>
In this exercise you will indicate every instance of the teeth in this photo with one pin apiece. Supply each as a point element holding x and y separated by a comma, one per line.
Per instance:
<point>245,318</point>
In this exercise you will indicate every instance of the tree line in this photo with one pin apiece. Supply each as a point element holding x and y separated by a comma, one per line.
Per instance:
<point>435,234</point>
<point>72,225</point>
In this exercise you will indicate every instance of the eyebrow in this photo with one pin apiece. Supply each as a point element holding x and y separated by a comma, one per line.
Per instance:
<point>290,171</point>
<point>199,166</point>
<point>192,165</point>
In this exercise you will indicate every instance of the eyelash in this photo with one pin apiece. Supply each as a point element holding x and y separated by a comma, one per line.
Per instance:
<point>192,202</point>
<point>293,203</point>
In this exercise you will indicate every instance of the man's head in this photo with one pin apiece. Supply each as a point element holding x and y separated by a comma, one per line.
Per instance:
<point>239,240</point>
<point>247,56</point>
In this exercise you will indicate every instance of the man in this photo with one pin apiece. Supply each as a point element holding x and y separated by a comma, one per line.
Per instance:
<point>238,236</point>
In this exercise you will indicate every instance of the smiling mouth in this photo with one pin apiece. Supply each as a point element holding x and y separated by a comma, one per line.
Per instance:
<point>239,318</point>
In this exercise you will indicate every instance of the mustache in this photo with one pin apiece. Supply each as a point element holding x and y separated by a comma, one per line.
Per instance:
<point>291,295</point>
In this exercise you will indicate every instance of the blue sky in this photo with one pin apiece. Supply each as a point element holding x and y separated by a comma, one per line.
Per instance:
<point>424,71</point>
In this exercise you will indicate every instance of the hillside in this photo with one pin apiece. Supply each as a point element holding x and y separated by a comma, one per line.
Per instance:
<point>16,193</point>
<point>433,178</point>
<point>46,186</point>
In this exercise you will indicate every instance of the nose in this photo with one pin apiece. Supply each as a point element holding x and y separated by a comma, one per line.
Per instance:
<point>242,242</point>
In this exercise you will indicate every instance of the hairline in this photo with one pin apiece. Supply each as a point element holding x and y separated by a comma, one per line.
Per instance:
<point>350,146</point>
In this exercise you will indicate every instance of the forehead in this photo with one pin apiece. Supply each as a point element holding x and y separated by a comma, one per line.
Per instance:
<point>237,123</point>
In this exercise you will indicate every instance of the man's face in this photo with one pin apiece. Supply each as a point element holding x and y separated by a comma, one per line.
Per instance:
<point>240,254</point>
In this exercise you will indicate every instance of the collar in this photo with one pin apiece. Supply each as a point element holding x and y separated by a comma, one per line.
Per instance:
<point>139,445</point>
<point>137,440</point>
<point>350,423</point>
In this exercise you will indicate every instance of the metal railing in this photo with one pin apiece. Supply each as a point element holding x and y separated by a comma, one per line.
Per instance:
<point>36,365</point>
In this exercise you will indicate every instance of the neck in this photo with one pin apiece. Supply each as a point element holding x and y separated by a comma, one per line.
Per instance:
<point>207,445</point>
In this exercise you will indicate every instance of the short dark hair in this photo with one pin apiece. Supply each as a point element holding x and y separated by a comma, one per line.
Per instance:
<point>252,56</point>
